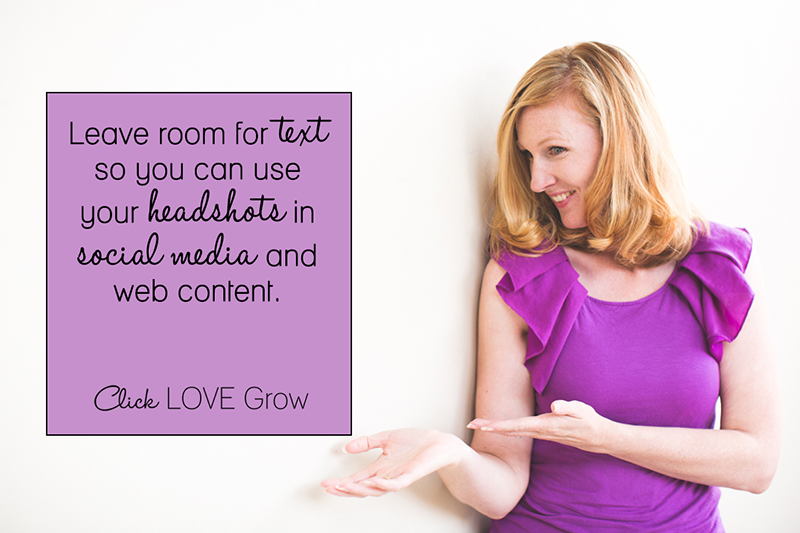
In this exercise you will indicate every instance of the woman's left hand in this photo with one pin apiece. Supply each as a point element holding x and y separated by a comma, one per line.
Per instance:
<point>570,423</point>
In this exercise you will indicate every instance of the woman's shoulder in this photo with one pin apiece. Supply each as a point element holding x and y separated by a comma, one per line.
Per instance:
<point>522,268</point>
<point>493,272</point>
<point>734,244</point>
<point>543,290</point>
<point>712,280</point>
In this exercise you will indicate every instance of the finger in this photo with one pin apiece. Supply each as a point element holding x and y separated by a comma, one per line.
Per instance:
<point>514,425</point>
<point>479,423</point>
<point>359,476</point>
<point>361,489</point>
<point>340,491</point>
<point>363,444</point>
<point>332,483</point>
<point>564,408</point>
<point>392,484</point>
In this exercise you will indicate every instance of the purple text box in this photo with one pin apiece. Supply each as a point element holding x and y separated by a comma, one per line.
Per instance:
<point>198,263</point>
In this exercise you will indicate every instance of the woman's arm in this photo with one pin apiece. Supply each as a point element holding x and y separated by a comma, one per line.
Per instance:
<point>503,386</point>
<point>743,454</point>
<point>490,476</point>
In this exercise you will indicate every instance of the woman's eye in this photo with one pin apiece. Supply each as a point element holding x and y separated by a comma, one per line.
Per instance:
<point>557,150</point>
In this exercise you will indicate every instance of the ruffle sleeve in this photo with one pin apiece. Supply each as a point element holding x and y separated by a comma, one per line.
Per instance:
<point>545,292</point>
<point>711,278</point>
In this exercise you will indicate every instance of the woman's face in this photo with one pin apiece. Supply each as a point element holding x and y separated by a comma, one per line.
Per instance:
<point>563,150</point>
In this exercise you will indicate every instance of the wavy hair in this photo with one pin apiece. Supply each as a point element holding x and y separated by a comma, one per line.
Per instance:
<point>636,205</point>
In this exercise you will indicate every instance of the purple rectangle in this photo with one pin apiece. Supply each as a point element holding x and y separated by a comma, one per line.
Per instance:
<point>226,321</point>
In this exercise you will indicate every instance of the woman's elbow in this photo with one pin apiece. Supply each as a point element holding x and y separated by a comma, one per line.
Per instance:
<point>763,478</point>
<point>763,469</point>
<point>759,485</point>
<point>501,503</point>
<point>499,514</point>
<point>498,507</point>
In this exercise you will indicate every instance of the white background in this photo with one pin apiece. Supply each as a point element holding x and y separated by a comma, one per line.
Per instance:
<point>429,82</point>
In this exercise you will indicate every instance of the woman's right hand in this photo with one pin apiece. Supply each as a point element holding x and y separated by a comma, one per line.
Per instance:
<point>408,455</point>
<point>490,476</point>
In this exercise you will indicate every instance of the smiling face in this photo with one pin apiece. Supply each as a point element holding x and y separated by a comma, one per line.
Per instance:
<point>563,149</point>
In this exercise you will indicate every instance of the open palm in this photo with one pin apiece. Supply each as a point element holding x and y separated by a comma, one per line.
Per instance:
<point>408,455</point>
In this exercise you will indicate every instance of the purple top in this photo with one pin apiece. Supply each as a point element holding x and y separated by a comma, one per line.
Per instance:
<point>650,362</point>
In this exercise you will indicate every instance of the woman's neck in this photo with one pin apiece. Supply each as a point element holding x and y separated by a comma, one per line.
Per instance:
<point>607,280</point>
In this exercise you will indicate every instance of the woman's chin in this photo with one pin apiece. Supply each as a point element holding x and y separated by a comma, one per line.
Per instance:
<point>573,224</point>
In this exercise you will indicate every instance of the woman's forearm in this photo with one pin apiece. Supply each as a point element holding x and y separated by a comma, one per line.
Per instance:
<point>481,479</point>
<point>739,456</point>
<point>727,457</point>
<point>484,481</point>
<point>744,453</point>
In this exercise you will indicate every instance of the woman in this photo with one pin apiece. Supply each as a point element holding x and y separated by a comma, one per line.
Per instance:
<point>611,318</point>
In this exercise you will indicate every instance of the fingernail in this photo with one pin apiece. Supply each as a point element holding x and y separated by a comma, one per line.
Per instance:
<point>344,449</point>
<point>485,428</point>
<point>368,482</point>
<point>471,426</point>
<point>340,488</point>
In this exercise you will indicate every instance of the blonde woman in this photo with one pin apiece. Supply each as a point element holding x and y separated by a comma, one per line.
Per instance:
<point>612,317</point>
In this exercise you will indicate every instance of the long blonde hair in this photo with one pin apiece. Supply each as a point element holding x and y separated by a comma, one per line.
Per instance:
<point>636,206</point>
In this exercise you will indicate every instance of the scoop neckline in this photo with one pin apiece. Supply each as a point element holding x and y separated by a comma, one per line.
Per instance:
<point>644,298</point>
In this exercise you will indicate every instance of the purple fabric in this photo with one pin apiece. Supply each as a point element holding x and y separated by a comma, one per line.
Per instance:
<point>652,362</point>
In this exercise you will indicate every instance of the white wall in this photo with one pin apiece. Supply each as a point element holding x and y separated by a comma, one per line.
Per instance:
<point>428,83</point>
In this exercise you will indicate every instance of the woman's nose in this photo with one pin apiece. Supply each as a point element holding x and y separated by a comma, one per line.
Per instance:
<point>541,177</point>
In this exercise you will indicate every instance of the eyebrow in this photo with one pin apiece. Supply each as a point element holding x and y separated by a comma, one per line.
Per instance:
<point>558,137</point>
<point>551,138</point>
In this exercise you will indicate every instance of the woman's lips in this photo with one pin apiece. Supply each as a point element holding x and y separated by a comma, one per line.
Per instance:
<point>561,199</point>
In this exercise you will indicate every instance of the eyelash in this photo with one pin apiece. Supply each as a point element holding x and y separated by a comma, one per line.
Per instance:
<point>553,151</point>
